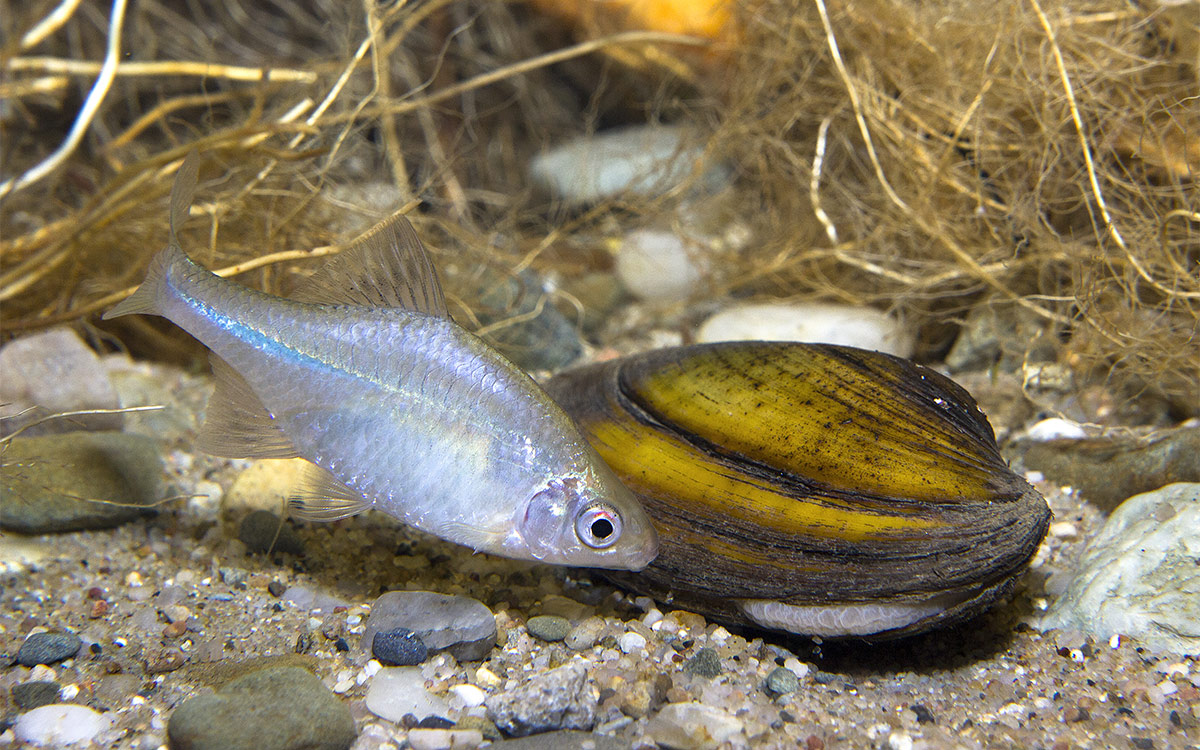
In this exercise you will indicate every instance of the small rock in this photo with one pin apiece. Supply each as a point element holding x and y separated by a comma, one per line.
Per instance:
<point>551,628</point>
<point>468,696</point>
<point>444,739</point>
<point>559,698</point>
<point>584,635</point>
<point>69,482</point>
<point>458,625</point>
<point>565,740</point>
<point>659,266</point>
<point>631,642</point>
<point>60,724</point>
<point>924,715</point>
<point>1056,428</point>
<point>48,648</point>
<point>641,161</point>
<point>693,726</point>
<point>863,327</point>
<point>1138,576</point>
<point>57,372</point>
<point>782,681</point>
<point>263,531</point>
<point>705,663</point>
<point>400,647</point>
<point>278,708</point>
<point>302,597</point>
<point>398,691</point>
<point>29,695</point>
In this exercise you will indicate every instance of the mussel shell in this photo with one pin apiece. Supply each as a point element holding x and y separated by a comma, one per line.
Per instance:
<point>808,475</point>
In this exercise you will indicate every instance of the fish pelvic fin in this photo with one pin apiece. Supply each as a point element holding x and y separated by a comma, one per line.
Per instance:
<point>323,497</point>
<point>385,267</point>
<point>236,424</point>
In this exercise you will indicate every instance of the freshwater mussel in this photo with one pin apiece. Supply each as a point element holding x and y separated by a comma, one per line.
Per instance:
<point>815,489</point>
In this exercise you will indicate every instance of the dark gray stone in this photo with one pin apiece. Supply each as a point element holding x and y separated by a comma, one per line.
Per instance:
<point>48,648</point>
<point>550,628</point>
<point>30,695</point>
<point>459,625</point>
<point>277,708</point>
<point>705,663</point>
<point>782,681</point>
<point>559,698</point>
<point>399,648</point>
<point>74,481</point>
<point>566,740</point>
<point>262,531</point>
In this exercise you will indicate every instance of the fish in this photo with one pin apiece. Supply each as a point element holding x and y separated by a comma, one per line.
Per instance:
<point>363,373</point>
<point>814,489</point>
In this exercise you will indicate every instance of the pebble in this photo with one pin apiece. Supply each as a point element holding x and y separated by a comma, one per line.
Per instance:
<point>266,484</point>
<point>863,327</point>
<point>56,371</point>
<point>458,625</point>
<point>395,692</point>
<point>302,597</point>
<point>1138,576</point>
<point>559,698</point>
<point>550,628</point>
<point>60,724</point>
<point>29,695</point>
<point>400,647</point>
<point>584,635</point>
<point>48,648</point>
<point>705,663</point>
<point>566,740</point>
<point>694,726</point>
<point>659,266</point>
<point>263,531</point>
<point>248,712</point>
<point>444,739</point>
<point>468,696</point>
<point>61,478</point>
<point>631,642</point>
<point>1055,428</point>
<point>639,161</point>
<point>782,681</point>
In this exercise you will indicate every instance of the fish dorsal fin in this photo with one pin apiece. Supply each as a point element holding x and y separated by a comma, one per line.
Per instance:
<point>182,193</point>
<point>237,425</point>
<point>385,267</point>
<point>323,497</point>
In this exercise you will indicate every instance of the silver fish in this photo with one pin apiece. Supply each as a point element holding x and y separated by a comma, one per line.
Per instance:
<point>365,375</point>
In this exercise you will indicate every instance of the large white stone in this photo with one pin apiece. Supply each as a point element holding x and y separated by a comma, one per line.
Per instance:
<point>396,691</point>
<point>60,724</point>
<point>659,266</point>
<point>863,327</point>
<point>1138,576</point>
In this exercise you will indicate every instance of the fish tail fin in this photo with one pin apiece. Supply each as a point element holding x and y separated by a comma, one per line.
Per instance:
<point>146,298</point>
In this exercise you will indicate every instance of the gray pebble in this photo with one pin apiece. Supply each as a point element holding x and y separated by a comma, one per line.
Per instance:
<point>261,531</point>
<point>584,635</point>
<point>458,625</point>
<point>30,695</point>
<point>62,482</point>
<point>551,628</point>
<point>705,663</point>
<point>559,698</point>
<point>400,647</point>
<point>782,681</point>
<point>48,648</point>
<point>277,708</point>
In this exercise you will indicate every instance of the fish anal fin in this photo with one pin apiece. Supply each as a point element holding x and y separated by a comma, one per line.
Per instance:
<point>385,267</point>
<point>237,425</point>
<point>322,497</point>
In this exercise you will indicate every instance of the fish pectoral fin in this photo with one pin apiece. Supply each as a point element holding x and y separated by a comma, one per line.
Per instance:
<point>386,267</point>
<point>323,497</point>
<point>237,425</point>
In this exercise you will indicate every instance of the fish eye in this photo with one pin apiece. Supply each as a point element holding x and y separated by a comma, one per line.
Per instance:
<point>598,525</point>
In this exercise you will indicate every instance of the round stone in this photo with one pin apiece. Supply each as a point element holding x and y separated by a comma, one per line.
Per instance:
<point>551,628</point>
<point>705,663</point>
<point>47,648</point>
<point>400,647</point>
<point>263,531</point>
<point>782,681</point>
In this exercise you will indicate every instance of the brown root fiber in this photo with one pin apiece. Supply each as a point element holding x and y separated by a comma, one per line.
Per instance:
<point>929,158</point>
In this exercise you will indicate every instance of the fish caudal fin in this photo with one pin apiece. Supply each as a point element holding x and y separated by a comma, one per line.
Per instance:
<point>145,300</point>
<point>322,497</point>
<point>236,424</point>
<point>386,267</point>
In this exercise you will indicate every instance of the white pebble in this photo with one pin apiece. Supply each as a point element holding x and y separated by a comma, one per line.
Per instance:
<point>1033,477</point>
<point>1056,429</point>
<point>60,724</point>
<point>396,691</point>
<point>864,327</point>
<point>42,673</point>
<point>719,635</point>
<point>444,739</point>
<point>1167,687</point>
<point>899,740</point>
<point>652,618</point>
<point>1064,530</point>
<point>343,686</point>
<point>796,667</point>
<point>659,266</point>
<point>68,693</point>
<point>468,695</point>
<point>486,678</point>
<point>631,641</point>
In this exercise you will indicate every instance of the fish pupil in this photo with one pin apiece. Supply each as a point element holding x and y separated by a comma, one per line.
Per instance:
<point>602,528</point>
